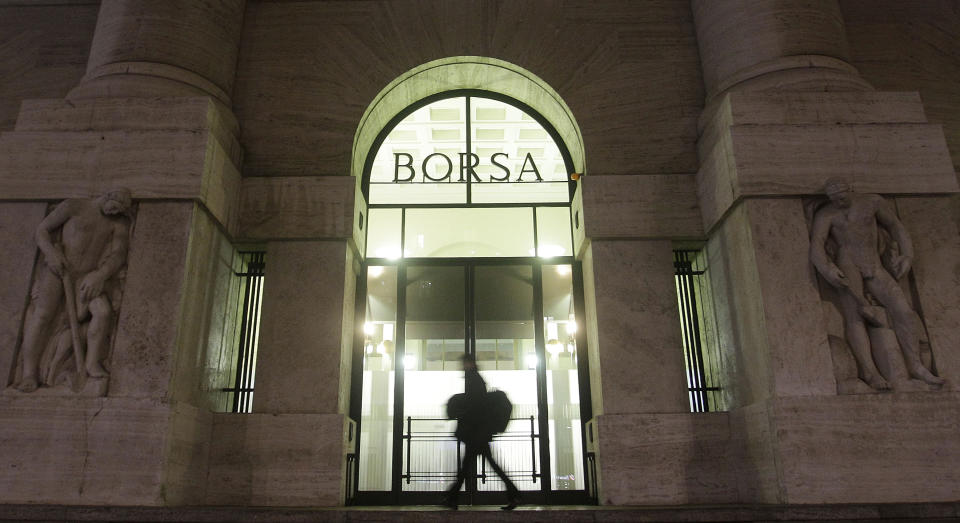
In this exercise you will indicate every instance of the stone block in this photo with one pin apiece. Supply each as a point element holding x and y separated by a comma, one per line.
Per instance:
<point>145,353</point>
<point>644,206</point>
<point>18,223</point>
<point>800,361</point>
<point>637,327</point>
<point>801,107</point>
<point>205,338</point>
<point>302,334</point>
<point>880,158</point>
<point>187,452</point>
<point>103,451</point>
<point>766,291</point>
<point>682,458</point>
<point>867,448</point>
<point>319,207</point>
<point>277,459</point>
<point>779,160</point>
<point>790,143</point>
<point>934,226</point>
<point>198,114</point>
<point>160,148</point>
<point>753,444</point>
<point>738,303</point>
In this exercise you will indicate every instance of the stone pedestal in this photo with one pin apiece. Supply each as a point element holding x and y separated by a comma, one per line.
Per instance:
<point>146,441</point>
<point>637,377</point>
<point>103,451</point>
<point>765,156</point>
<point>277,460</point>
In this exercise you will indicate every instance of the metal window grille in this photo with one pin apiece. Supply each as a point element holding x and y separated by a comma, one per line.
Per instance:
<point>250,279</point>
<point>700,347</point>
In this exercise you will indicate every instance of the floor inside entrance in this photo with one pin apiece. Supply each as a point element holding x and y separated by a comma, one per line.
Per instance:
<point>888,513</point>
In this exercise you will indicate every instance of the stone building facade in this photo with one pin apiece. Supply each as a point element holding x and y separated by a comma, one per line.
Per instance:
<point>240,123</point>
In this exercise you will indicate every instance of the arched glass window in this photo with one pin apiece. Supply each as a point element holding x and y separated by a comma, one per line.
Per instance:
<point>468,174</point>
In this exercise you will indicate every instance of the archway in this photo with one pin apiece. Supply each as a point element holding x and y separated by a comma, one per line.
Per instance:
<point>474,260</point>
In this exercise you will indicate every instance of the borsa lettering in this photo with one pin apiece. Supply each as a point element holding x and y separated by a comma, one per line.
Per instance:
<point>404,170</point>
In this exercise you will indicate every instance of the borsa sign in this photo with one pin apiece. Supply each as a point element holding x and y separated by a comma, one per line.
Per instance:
<point>468,162</point>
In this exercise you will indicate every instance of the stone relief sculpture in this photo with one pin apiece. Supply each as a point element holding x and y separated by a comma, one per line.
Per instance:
<point>862,250</point>
<point>76,289</point>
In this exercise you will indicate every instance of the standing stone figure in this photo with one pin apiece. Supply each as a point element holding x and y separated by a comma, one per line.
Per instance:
<point>84,246</point>
<point>858,269</point>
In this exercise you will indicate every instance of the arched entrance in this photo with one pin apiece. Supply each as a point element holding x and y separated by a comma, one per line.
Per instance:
<point>469,251</point>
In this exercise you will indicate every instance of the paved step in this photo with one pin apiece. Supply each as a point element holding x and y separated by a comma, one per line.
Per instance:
<point>887,513</point>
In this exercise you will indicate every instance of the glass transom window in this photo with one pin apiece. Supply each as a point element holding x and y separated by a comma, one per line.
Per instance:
<point>468,175</point>
<point>468,150</point>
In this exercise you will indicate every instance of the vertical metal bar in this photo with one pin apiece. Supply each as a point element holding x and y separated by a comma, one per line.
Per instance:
<point>583,360</point>
<point>678,279</point>
<point>470,347</point>
<point>469,140</point>
<point>356,370</point>
<point>536,234</point>
<point>543,413</point>
<point>254,330</point>
<point>698,347</point>
<point>688,364</point>
<point>396,461</point>
<point>693,351</point>
<point>533,453</point>
<point>238,379</point>
<point>409,445</point>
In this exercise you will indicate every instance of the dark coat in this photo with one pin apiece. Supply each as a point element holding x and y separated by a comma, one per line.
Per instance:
<point>469,409</point>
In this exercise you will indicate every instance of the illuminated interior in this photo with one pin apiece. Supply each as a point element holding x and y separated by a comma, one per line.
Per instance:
<point>469,261</point>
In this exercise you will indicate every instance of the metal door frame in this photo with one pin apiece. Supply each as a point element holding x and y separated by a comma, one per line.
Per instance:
<point>396,496</point>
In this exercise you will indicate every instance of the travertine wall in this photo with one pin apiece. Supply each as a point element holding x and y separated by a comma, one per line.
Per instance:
<point>43,51</point>
<point>631,74</point>
<point>911,46</point>
<point>308,70</point>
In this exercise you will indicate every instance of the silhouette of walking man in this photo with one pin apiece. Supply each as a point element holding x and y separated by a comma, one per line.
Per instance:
<point>474,428</point>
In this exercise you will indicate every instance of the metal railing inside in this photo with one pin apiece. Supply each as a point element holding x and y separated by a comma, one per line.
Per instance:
<point>700,347</point>
<point>432,455</point>
<point>250,280</point>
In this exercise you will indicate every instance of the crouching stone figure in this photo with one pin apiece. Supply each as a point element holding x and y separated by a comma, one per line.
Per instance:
<point>84,247</point>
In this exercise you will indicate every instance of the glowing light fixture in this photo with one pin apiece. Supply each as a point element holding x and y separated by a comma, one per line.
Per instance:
<point>549,251</point>
<point>563,270</point>
<point>375,271</point>
<point>409,361</point>
<point>531,360</point>
<point>554,347</point>
<point>390,253</point>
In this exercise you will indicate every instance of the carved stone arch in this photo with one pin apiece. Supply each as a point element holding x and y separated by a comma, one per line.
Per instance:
<point>466,72</point>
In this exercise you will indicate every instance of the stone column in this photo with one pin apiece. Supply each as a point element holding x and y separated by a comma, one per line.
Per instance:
<point>638,383</point>
<point>144,48</point>
<point>773,44</point>
<point>293,444</point>
<point>152,115</point>
<point>784,113</point>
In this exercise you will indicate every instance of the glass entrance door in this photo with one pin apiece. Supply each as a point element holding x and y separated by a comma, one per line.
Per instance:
<point>517,318</point>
